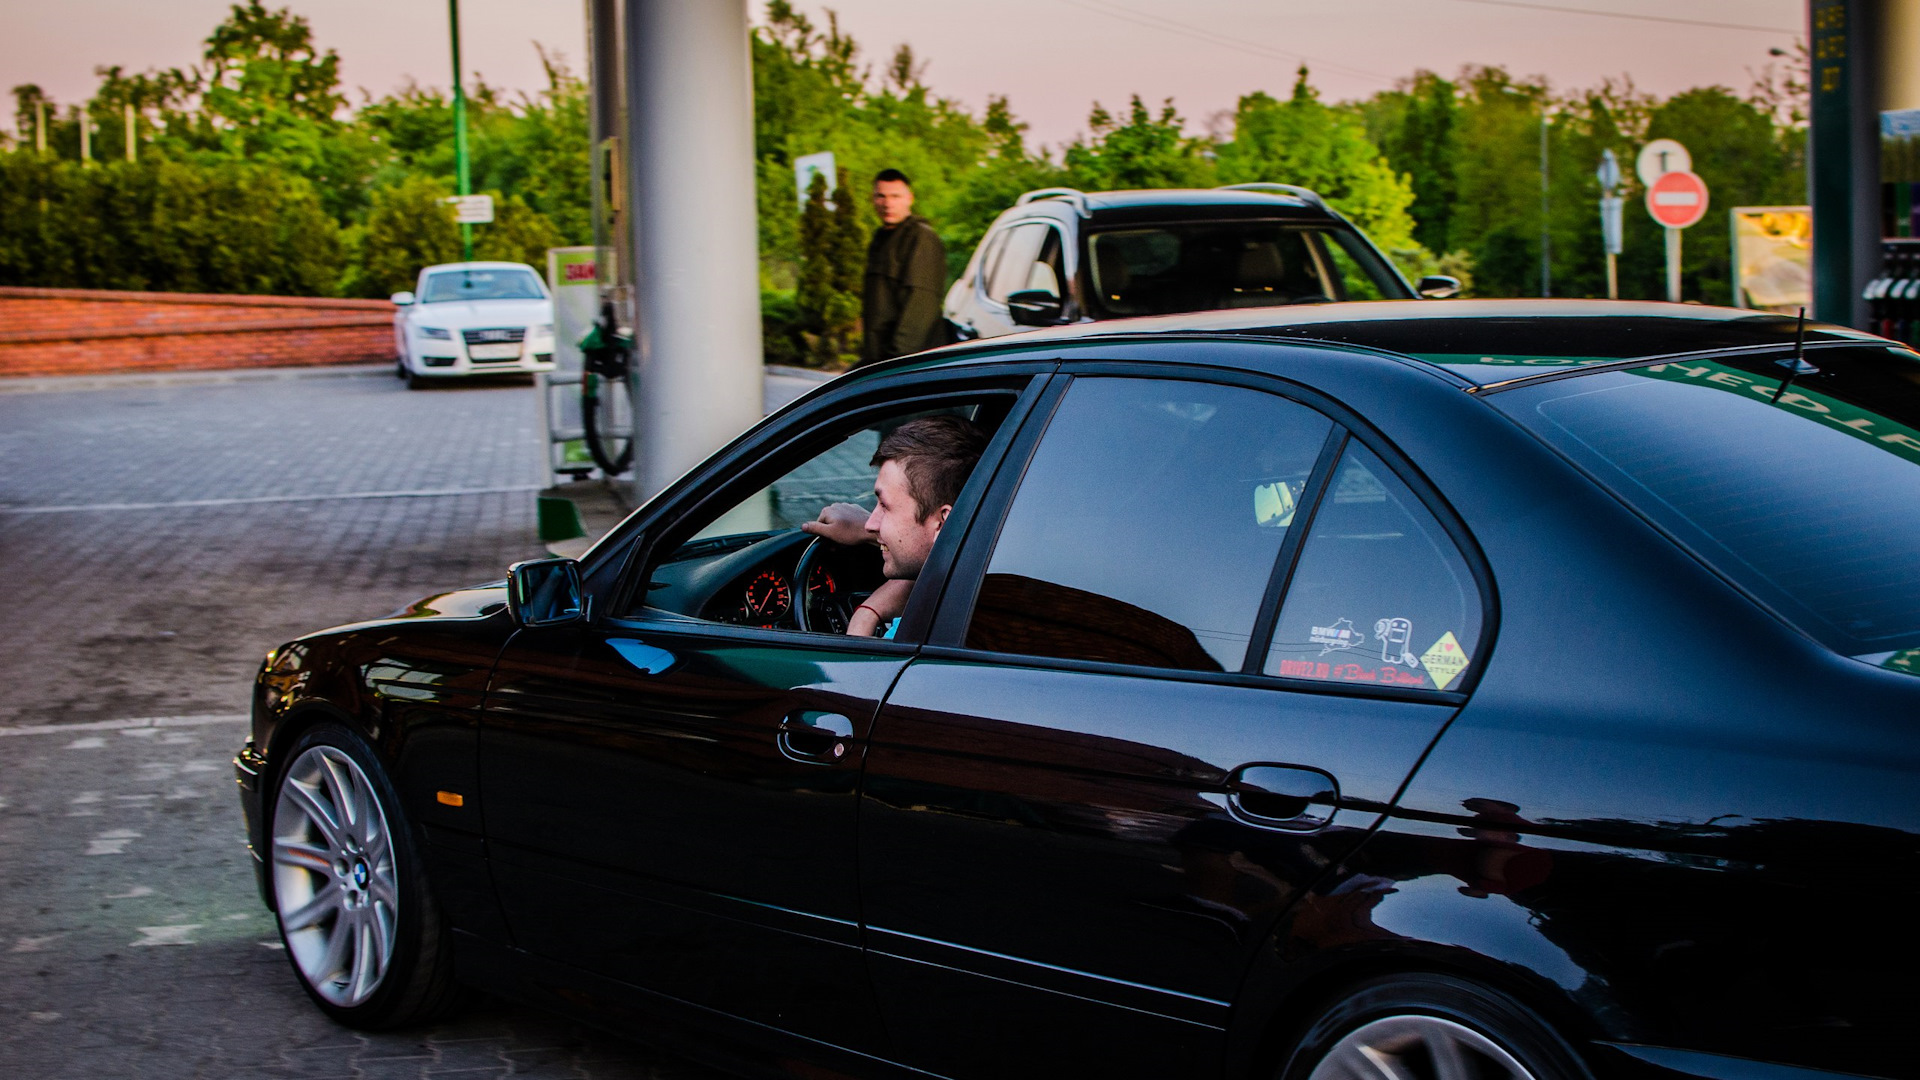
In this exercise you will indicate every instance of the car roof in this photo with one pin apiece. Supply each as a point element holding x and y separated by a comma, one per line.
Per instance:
<point>1102,208</point>
<point>476,266</point>
<point>1480,341</point>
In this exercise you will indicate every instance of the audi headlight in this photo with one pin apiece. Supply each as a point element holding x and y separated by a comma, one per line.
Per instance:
<point>437,333</point>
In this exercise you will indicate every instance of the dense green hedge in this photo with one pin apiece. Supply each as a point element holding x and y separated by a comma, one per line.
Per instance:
<point>164,226</point>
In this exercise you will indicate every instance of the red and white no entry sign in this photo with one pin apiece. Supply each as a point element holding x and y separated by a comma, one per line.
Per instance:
<point>1677,199</point>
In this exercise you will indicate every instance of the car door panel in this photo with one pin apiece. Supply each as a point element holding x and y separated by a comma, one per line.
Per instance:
<point>1067,834</point>
<point>650,822</point>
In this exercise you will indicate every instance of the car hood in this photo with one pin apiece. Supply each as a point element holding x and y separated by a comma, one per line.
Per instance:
<point>476,314</point>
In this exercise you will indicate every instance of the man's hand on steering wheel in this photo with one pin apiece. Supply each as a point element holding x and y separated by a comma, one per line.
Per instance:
<point>842,523</point>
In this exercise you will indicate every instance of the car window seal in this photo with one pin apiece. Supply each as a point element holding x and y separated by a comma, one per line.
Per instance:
<point>670,624</point>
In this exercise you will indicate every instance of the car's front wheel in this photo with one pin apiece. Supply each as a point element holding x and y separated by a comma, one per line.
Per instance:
<point>1429,1027</point>
<point>357,918</point>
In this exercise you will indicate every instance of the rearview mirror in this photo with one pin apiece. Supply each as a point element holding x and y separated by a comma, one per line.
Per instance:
<point>545,592</point>
<point>1035,307</point>
<point>401,299</point>
<point>1438,287</point>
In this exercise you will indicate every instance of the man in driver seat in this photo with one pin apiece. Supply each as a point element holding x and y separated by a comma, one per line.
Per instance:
<point>923,465</point>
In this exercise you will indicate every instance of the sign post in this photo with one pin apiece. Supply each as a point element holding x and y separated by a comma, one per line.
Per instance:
<point>1612,225</point>
<point>1677,200</point>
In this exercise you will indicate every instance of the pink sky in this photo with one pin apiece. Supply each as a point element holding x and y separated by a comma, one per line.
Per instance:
<point>1053,58</point>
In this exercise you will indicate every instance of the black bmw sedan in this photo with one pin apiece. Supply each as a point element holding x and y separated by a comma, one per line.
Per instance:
<point>1389,691</point>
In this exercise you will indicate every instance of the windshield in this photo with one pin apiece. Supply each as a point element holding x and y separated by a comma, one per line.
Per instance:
<point>1811,502</point>
<point>1207,266</point>
<point>494,284</point>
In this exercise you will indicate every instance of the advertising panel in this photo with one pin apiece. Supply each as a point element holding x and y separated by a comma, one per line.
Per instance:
<point>1772,257</point>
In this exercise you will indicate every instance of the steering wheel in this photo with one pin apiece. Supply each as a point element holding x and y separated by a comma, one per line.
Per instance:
<point>808,617</point>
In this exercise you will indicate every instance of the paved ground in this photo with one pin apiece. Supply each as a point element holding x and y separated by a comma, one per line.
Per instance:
<point>159,536</point>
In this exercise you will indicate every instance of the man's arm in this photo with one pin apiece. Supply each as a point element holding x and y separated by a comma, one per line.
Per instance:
<point>923,286</point>
<point>886,604</point>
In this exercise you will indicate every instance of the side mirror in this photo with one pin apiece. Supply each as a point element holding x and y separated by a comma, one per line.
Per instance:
<point>1035,307</point>
<point>545,592</point>
<point>402,299</point>
<point>1438,287</point>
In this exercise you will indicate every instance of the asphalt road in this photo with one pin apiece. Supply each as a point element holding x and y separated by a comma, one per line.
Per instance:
<point>159,536</point>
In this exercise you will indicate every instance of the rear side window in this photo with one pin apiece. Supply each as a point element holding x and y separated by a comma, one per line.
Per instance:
<point>1381,595</point>
<point>1145,530</point>
<point>1811,501</point>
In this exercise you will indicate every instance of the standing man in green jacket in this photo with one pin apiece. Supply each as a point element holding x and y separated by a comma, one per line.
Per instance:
<point>906,276</point>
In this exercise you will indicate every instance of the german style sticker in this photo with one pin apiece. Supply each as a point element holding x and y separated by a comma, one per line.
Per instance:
<point>1445,661</point>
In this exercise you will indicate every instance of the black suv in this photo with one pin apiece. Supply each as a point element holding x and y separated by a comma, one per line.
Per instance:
<point>1061,255</point>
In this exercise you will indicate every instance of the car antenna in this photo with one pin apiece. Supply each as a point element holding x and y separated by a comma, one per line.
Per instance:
<point>1798,365</point>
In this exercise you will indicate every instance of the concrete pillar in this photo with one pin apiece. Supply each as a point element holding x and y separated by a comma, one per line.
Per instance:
<point>689,85</point>
<point>1866,58</point>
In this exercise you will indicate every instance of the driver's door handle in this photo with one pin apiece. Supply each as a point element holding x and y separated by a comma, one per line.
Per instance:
<point>815,738</point>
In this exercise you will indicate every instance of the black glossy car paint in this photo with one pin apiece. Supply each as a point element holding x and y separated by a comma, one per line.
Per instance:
<point>1671,824</point>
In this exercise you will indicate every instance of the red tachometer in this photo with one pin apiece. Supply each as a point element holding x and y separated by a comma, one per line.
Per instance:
<point>769,597</point>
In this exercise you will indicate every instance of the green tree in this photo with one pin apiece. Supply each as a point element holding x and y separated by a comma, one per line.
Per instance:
<point>1414,127</point>
<point>1304,141</point>
<point>1147,151</point>
<point>827,297</point>
<point>409,226</point>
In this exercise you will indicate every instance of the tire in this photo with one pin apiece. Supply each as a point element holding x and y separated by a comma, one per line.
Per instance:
<point>1429,1027</point>
<point>360,925</point>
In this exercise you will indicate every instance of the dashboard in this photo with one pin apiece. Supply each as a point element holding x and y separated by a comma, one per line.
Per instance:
<point>756,579</point>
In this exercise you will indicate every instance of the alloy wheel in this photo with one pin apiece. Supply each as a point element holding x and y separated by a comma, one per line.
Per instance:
<point>1416,1047</point>
<point>335,884</point>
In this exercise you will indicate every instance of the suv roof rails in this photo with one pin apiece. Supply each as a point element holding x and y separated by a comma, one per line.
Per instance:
<point>1307,194</point>
<point>1073,195</point>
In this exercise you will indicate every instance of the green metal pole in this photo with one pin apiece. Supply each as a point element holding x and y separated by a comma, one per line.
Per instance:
<point>460,128</point>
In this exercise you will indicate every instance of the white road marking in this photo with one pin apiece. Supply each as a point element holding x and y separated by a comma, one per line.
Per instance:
<point>43,1017</point>
<point>202,766</point>
<point>134,798</point>
<point>131,894</point>
<point>242,917</point>
<point>272,945</point>
<point>4,803</point>
<point>34,944</point>
<point>421,493</point>
<point>122,725</point>
<point>84,798</point>
<point>185,793</point>
<point>164,935</point>
<point>90,742</point>
<point>140,733</point>
<point>111,842</point>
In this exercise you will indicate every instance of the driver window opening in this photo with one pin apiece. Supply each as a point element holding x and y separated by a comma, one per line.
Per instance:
<point>745,560</point>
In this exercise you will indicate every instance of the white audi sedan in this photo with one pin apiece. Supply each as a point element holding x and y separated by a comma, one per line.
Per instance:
<point>474,318</point>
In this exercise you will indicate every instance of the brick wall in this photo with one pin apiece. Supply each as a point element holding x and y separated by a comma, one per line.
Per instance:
<point>96,331</point>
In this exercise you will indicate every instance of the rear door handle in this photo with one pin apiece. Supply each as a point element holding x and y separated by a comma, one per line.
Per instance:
<point>1290,797</point>
<point>816,738</point>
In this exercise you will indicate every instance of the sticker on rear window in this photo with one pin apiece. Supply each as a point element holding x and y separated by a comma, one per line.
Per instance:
<point>1445,660</point>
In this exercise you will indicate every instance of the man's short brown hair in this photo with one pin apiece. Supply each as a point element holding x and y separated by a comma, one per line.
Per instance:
<point>937,453</point>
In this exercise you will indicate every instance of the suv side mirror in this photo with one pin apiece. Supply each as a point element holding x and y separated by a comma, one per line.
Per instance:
<point>1035,307</point>
<point>1438,287</point>
<point>545,592</point>
<point>402,299</point>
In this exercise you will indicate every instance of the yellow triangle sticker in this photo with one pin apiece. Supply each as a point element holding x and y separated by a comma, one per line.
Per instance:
<point>1445,661</point>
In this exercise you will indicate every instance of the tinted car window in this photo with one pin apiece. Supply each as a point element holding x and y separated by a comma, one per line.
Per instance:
<point>481,285</point>
<point>1811,502</point>
<point>1210,265</point>
<point>1145,529</point>
<point>1380,595</point>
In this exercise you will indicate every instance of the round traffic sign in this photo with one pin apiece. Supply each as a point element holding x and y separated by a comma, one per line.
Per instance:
<point>1661,156</point>
<point>1677,199</point>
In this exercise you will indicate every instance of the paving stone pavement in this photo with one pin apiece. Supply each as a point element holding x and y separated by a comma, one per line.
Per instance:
<point>159,537</point>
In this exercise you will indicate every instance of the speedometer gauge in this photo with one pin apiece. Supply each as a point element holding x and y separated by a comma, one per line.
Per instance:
<point>769,598</point>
